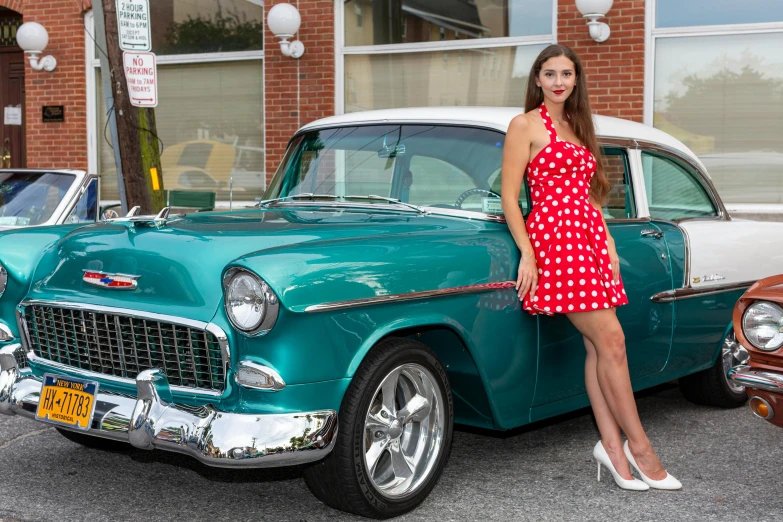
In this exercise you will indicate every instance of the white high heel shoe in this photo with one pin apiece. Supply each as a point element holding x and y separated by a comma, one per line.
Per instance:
<point>667,483</point>
<point>599,452</point>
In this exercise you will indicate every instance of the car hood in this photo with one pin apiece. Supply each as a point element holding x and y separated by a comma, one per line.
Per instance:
<point>180,265</point>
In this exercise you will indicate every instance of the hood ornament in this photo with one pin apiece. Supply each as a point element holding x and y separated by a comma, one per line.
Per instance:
<point>112,281</point>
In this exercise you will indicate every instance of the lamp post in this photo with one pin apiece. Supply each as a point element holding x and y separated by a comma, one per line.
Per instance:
<point>33,39</point>
<point>592,10</point>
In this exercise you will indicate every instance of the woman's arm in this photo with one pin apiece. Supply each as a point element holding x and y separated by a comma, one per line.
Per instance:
<point>516,154</point>
<point>614,259</point>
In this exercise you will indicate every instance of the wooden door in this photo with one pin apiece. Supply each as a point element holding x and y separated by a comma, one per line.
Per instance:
<point>12,137</point>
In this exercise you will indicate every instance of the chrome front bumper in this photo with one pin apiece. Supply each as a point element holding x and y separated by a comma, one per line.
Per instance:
<point>757,379</point>
<point>151,420</point>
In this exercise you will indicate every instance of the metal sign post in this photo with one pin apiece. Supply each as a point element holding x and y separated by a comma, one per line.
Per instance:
<point>100,40</point>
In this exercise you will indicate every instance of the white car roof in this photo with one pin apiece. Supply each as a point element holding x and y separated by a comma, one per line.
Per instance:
<point>499,118</point>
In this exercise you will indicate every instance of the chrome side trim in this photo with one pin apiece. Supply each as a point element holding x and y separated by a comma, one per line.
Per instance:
<point>687,269</point>
<point>136,314</point>
<point>628,220</point>
<point>151,420</point>
<point>410,296</point>
<point>689,293</point>
<point>757,379</point>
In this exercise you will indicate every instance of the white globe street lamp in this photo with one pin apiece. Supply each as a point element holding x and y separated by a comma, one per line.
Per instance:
<point>33,39</point>
<point>593,10</point>
<point>284,21</point>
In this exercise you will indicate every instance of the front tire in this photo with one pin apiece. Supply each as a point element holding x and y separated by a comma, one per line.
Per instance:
<point>396,424</point>
<point>712,387</point>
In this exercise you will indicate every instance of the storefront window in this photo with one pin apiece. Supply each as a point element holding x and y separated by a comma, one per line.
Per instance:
<point>378,22</point>
<point>723,97</point>
<point>676,13</point>
<point>210,121</point>
<point>206,26</point>
<point>488,77</point>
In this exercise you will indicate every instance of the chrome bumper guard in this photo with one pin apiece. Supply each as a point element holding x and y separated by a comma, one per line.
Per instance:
<point>757,379</point>
<point>153,421</point>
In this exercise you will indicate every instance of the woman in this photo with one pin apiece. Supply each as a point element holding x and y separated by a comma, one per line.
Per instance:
<point>569,263</point>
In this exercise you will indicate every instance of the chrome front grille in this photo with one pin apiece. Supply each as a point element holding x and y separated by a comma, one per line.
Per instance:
<point>124,346</point>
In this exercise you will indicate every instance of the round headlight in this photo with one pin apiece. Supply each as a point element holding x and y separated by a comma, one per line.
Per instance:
<point>245,301</point>
<point>3,280</point>
<point>763,325</point>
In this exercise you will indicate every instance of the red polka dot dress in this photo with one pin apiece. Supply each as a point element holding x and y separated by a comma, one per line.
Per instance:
<point>567,232</point>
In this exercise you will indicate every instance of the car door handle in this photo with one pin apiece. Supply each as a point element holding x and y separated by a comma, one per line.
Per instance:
<point>650,232</point>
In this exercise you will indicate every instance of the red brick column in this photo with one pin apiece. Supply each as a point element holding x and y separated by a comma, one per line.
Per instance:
<point>14,5</point>
<point>52,145</point>
<point>614,68</point>
<point>286,106</point>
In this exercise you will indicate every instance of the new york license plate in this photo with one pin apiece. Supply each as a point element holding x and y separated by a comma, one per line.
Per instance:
<point>67,401</point>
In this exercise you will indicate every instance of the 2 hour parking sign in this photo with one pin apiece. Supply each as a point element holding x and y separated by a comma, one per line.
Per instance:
<point>133,24</point>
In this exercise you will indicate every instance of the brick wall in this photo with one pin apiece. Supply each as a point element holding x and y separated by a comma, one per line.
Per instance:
<point>285,111</point>
<point>615,72</point>
<point>61,145</point>
<point>615,68</point>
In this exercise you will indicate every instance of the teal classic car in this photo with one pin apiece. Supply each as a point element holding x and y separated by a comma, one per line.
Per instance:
<point>363,308</point>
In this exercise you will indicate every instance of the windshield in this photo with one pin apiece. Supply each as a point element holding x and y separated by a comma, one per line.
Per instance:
<point>30,198</point>
<point>438,166</point>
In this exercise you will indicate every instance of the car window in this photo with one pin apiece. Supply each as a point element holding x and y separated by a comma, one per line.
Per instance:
<point>429,165</point>
<point>495,181</point>
<point>30,198</point>
<point>86,209</point>
<point>673,189</point>
<point>620,203</point>
<point>435,182</point>
<point>341,172</point>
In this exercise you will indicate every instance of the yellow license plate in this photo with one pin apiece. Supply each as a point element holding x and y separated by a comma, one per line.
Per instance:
<point>67,401</point>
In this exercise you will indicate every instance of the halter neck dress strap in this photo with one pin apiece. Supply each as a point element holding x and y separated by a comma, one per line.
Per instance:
<point>548,123</point>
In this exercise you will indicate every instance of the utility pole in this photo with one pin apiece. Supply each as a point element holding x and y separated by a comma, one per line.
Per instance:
<point>137,142</point>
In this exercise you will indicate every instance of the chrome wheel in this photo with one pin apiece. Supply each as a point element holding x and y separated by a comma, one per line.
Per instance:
<point>403,430</point>
<point>733,354</point>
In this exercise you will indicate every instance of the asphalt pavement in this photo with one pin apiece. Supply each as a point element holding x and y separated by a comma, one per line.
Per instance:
<point>729,462</point>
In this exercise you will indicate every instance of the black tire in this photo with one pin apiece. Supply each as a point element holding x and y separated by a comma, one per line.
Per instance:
<point>711,387</point>
<point>341,479</point>
<point>98,443</point>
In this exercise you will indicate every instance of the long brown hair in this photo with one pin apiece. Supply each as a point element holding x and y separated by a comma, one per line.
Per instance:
<point>577,107</point>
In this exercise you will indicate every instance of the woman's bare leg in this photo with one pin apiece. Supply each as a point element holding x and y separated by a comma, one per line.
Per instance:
<point>611,437</point>
<point>603,330</point>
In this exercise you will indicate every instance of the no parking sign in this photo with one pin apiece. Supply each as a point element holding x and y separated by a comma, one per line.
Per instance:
<point>142,77</point>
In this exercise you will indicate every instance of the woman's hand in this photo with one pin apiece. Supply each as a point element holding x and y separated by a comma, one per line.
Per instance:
<point>527,276</point>
<point>614,259</point>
